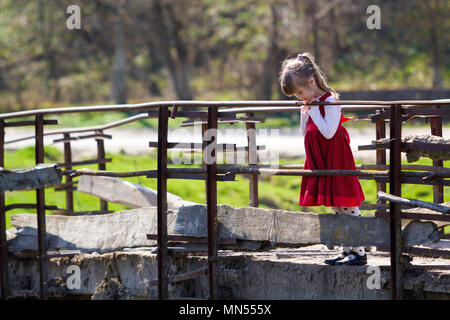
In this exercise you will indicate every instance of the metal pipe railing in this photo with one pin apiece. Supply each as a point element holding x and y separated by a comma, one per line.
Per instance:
<point>211,171</point>
<point>353,105</point>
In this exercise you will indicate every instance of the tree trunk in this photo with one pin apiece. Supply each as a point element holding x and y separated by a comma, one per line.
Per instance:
<point>270,64</point>
<point>162,39</point>
<point>182,65</point>
<point>433,13</point>
<point>315,29</point>
<point>118,78</point>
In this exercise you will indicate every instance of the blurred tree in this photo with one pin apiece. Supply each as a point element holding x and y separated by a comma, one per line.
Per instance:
<point>212,49</point>
<point>436,21</point>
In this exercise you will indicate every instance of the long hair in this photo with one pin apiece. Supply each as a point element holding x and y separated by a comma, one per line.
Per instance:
<point>298,71</point>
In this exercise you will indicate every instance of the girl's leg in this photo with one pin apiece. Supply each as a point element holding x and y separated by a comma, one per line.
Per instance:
<point>354,211</point>
<point>338,210</point>
<point>345,250</point>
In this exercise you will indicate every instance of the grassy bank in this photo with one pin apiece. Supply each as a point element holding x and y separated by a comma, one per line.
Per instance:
<point>274,191</point>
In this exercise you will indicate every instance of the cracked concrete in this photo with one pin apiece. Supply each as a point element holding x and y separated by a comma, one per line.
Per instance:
<point>274,274</point>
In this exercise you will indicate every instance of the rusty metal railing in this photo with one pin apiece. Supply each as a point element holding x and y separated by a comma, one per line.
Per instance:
<point>392,110</point>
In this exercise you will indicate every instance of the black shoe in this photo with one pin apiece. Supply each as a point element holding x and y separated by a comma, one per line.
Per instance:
<point>332,261</point>
<point>353,259</point>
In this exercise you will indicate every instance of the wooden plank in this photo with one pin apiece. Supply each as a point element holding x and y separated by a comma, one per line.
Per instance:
<point>124,192</point>
<point>88,233</point>
<point>43,175</point>
<point>438,219</point>
<point>288,227</point>
<point>129,228</point>
<point>414,202</point>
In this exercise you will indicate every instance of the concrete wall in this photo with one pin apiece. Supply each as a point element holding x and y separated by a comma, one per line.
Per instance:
<point>249,276</point>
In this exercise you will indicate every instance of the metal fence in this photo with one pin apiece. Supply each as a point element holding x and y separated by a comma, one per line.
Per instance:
<point>393,112</point>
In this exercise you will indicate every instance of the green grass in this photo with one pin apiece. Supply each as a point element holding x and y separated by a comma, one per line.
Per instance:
<point>274,191</point>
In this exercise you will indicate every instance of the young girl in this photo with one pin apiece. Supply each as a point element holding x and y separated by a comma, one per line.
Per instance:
<point>327,146</point>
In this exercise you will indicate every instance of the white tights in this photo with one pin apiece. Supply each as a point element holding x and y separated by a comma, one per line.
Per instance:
<point>353,211</point>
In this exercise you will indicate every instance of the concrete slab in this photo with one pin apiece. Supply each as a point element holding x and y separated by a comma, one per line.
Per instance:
<point>275,274</point>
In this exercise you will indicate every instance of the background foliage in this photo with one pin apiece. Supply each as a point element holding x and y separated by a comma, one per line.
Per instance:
<point>128,51</point>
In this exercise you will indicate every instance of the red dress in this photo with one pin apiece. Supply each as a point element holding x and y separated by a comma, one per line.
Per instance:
<point>329,154</point>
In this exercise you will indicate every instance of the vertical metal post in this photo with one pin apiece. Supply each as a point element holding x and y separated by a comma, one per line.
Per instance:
<point>252,158</point>
<point>40,205</point>
<point>436,130</point>
<point>163,119</point>
<point>3,244</point>
<point>68,159</point>
<point>101,166</point>
<point>395,188</point>
<point>204,128</point>
<point>381,154</point>
<point>211,196</point>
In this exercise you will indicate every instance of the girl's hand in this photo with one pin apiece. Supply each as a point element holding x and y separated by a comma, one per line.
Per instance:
<point>306,108</point>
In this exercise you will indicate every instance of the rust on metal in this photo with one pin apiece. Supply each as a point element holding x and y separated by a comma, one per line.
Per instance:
<point>40,208</point>
<point>162,204</point>
<point>84,162</point>
<point>395,188</point>
<point>395,112</point>
<point>28,206</point>
<point>68,179</point>
<point>436,130</point>
<point>252,159</point>
<point>3,243</point>
<point>211,198</point>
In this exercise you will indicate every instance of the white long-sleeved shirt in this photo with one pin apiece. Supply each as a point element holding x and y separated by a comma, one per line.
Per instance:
<point>327,125</point>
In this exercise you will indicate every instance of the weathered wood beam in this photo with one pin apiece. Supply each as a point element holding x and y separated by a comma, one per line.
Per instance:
<point>43,175</point>
<point>288,227</point>
<point>124,192</point>
<point>129,228</point>
<point>87,233</point>
<point>414,202</point>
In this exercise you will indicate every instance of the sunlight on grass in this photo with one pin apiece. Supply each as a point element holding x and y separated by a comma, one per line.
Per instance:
<point>274,191</point>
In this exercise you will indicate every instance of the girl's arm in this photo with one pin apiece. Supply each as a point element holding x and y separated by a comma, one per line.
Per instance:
<point>304,116</point>
<point>329,124</point>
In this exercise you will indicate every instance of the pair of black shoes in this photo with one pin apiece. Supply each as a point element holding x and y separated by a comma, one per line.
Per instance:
<point>347,259</point>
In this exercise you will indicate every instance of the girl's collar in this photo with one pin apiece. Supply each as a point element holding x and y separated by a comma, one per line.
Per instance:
<point>318,98</point>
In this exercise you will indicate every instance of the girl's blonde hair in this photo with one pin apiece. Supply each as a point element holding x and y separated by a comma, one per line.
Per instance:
<point>298,71</point>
